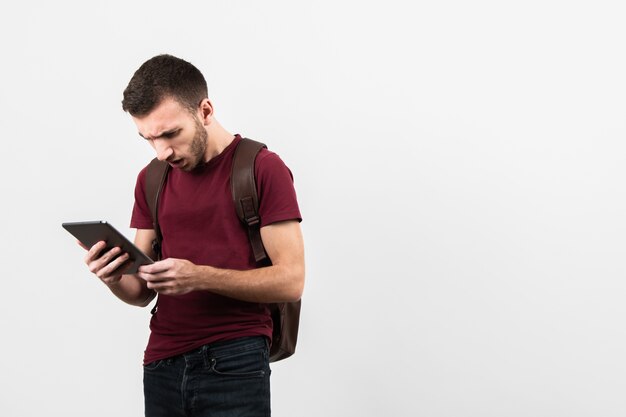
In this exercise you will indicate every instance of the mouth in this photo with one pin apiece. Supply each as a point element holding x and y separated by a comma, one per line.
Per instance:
<point>175,163</point>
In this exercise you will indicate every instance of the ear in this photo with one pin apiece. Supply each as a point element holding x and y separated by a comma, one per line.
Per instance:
<point>206,111</point>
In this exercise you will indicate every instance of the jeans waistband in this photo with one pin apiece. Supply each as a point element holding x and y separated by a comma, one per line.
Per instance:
<point>226,347</point>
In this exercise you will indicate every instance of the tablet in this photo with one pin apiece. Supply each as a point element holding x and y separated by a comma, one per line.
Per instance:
<point>90,233</point>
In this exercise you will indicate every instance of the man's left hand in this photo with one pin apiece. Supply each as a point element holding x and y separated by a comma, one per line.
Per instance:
<point>171,276</point>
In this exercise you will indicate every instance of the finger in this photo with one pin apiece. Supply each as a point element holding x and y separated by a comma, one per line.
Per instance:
<point>94,251</point>
<point>166,288</point>
<point>96,265</point>
<point>121,264</point>
<point>154,278</point>
<point>157,267</point>
<point>116,275</point>
<point>111,254</point>
<point>115,267</point>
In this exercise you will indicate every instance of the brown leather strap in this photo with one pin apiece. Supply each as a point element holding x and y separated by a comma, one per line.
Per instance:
<point>155,178</point>
<point>243,188</point>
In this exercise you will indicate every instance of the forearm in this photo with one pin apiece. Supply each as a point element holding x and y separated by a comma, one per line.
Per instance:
<point>132,290</point>
<point>270,284</point>
<point>281,282</point>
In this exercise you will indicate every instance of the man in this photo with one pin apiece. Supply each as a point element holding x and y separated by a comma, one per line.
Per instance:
<point>208,348</point>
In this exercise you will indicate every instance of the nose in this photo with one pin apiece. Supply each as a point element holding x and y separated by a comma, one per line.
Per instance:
<point>163,150</point>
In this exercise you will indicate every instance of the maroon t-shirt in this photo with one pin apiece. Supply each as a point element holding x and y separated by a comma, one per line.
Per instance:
<point>199,223</point>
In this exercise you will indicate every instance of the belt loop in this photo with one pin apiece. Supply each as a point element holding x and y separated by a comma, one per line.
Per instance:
<point>205,356</point>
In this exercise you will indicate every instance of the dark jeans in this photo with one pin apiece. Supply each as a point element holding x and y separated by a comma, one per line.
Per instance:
<point>222,379</point>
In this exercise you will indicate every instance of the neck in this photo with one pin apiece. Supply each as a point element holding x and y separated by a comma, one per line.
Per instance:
<point>218,139</point>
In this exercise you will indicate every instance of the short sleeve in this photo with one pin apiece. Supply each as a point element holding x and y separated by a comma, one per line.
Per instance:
<point>275,188</point>
<point>141,217</point>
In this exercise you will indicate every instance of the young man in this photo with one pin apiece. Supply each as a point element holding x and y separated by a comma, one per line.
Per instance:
<point>208,349</point>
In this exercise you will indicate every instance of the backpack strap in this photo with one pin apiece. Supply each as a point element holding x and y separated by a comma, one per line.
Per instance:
<point>243,188</point>
<point>285,316</point>
<point>155,178</point>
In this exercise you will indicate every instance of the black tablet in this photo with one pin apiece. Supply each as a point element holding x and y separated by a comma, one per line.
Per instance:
<point>90,233</point>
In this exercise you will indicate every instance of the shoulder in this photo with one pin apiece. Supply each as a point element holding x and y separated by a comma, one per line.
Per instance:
<point>269,162</point>
<point>142,173</point>
<point>141,176</point>
<point>154,171</point>
<point>275,188</point>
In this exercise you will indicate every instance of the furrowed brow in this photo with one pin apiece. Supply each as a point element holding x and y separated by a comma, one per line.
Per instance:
<point>162,134</point>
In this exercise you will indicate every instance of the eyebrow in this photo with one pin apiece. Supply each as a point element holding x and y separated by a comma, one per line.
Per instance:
<point>164,133</point>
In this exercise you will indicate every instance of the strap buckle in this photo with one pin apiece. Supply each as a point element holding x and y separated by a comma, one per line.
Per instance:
<point>253,221</point>
<point>250,215</point>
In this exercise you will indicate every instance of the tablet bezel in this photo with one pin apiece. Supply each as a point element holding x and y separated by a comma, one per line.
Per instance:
<point>91,232</point>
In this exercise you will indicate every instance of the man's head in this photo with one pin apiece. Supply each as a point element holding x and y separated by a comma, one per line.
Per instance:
<point>167,99</point>
<point>160,77</point>
<point>178,136</point>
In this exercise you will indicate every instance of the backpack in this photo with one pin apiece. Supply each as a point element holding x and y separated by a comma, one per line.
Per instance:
<point>285,316</point>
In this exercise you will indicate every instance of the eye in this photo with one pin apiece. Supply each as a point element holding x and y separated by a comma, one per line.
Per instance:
<point>170,135</point>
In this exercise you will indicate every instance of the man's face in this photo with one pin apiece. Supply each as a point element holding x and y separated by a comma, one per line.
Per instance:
<point>176,135</point>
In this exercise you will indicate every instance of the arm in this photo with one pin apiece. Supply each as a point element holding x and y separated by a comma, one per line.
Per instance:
<point>280,282</point>
<point>128,288</point>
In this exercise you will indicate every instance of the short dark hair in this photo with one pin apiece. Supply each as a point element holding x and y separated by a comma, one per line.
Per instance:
<point>160,77</point>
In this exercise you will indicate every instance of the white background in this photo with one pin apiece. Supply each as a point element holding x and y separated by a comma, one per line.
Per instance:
<point>460,169</point>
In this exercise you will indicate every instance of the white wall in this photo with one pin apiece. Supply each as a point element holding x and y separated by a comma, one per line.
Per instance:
<point>460,168</point>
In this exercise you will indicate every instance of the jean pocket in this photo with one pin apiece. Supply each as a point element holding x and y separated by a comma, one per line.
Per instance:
<point>152,366</point>
<point>251,363</point>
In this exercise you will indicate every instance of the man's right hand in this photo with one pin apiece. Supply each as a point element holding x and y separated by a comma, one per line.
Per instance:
<point>107,266</point>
